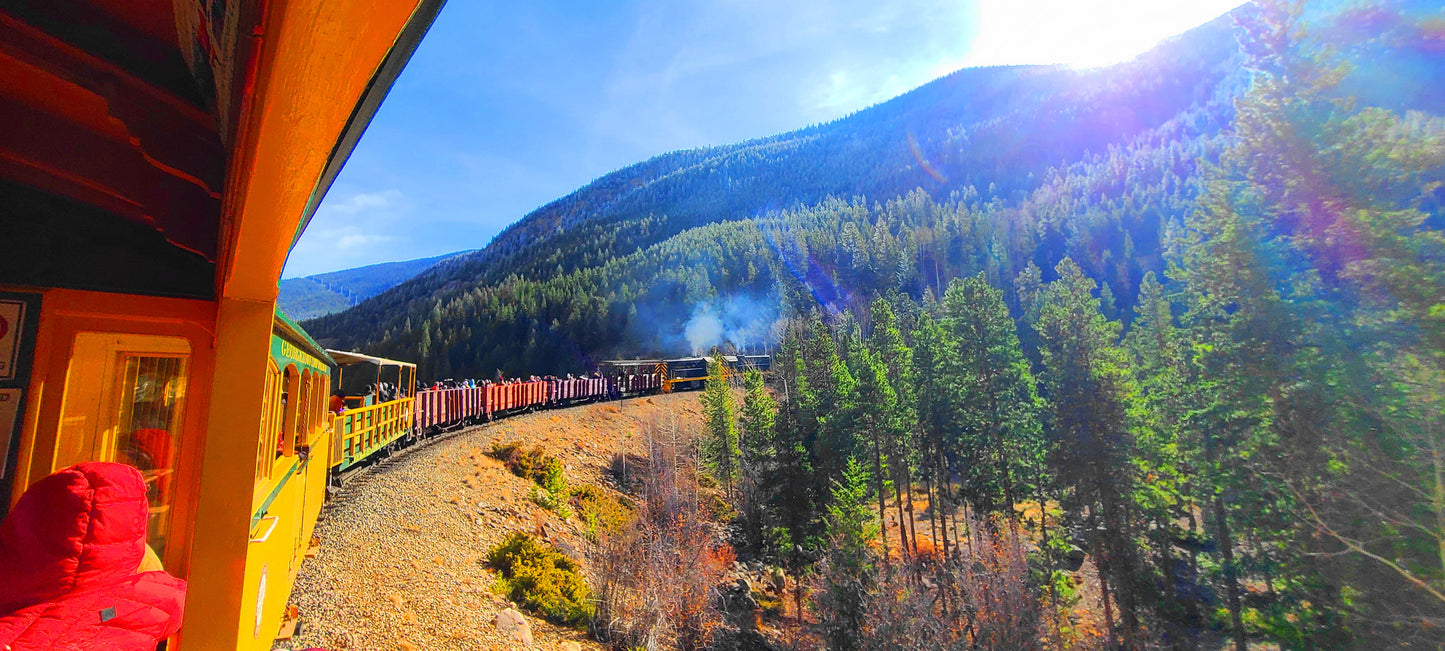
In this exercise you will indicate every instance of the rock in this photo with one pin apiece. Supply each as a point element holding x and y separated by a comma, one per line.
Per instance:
<point>570,646</point>
<point>513,625</point>
<point>778,580</point>
<point>739,601</point>
<point>1074,559</point>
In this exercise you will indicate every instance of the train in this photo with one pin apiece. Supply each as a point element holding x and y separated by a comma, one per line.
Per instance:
<point>164,160</point>
<point>381,414</point>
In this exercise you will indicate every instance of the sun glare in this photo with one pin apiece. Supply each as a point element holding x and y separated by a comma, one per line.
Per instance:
<point>1081,33</point>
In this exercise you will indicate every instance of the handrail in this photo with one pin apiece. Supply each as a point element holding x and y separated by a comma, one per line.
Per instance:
<point>297,466</point>
<point>360,432</point>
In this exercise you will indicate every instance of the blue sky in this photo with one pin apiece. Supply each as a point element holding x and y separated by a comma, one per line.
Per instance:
<point>509,105</point>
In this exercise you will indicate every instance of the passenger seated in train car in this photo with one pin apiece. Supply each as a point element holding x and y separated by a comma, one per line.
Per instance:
<point>78,573</point>
<point>281,435</point>
<point>338,402</point>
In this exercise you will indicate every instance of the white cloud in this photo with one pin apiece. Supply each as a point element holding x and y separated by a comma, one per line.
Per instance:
<point>350,229</point>
<point>351,241</point>
<point>364,201</point>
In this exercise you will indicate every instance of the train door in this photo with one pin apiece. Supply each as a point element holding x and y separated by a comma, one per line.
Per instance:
<point>124,400</point>
<point>285,487</point>
<point>304,401</point>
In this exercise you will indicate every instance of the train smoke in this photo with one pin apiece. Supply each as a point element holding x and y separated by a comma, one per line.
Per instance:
<point>703,331</point>
<point>739,320</point>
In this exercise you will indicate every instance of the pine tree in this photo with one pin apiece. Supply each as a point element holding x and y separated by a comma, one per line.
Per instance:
<point>1090,394</point>
<point>1159,364</point>
<point>991,396</point>
<point>791,488</point>
<point>876,424</point>
<point>892,360</point>
<point>757,420</point>
<point>757,429</point>
<point>720,450</point>
<point>1302,267</point>
<point>850,573</point>
<point>838,415</point>
<point>931,355</point>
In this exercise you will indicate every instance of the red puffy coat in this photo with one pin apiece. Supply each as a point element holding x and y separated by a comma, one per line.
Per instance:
<point>69,552</point>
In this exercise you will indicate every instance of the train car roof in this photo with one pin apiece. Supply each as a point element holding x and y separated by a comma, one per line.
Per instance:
<point>179,147</point>
<point>346,358</point>
<point>300,338</point>
<point>642,362</point>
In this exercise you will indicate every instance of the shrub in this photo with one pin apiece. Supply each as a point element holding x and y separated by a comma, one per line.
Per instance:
<point>994,600</point>
<point>543,469</point>
<point>551,501</point>
<point>601,511</point>
<point>542,579</point>
<point>531,463</point>
<point>657,574</point>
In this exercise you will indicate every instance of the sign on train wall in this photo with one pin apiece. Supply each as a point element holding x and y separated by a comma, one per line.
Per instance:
<point>19,319</point>
<point>207,31</point>
<point>12,317</point>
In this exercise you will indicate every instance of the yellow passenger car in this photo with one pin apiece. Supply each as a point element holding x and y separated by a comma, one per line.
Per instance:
<point>158,160</point>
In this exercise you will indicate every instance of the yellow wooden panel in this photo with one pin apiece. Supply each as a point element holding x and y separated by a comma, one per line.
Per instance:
<point>76,319</point>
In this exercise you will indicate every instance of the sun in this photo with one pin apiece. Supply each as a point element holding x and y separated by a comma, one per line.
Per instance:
<point>1081,33</point>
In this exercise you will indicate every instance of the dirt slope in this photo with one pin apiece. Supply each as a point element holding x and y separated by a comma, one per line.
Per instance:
<point>400,565</point>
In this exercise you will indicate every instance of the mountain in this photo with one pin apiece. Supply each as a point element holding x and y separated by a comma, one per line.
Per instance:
<point>322,294</point>
<point>984,170</point>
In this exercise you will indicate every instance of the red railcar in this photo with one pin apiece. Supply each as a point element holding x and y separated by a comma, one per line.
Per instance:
<point>562,392</point>
<point>444,407</point>
<point>436,407</point>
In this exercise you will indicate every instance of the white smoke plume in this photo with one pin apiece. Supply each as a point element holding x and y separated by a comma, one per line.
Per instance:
<point>703,331</point>
<point>738,320</point>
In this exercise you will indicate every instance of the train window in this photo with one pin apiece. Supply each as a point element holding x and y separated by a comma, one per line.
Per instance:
<point>123,401</point>
<point>270,423</point>
<point>303,410</point>
<point>290,396</point>
<point>323,398</point>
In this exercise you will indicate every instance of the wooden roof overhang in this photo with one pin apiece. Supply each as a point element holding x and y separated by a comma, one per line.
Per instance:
<point>350,358</point>
<point>178,147</point>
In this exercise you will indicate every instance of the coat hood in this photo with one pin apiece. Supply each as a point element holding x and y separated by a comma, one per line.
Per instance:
<point>82,527</point>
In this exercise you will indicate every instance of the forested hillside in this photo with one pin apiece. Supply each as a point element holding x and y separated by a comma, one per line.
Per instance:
<point>984,170</point>
<point>1248,455</point>
<point>1174,339</point>
<point>579,278</point>
<point>312,296</point>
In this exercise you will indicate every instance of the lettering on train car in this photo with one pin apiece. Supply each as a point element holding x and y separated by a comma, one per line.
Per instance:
<point>291,351</point>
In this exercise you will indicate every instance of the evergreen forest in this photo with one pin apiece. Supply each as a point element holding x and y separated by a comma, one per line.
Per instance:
<point>1182,319</point>
<point>988,169</point>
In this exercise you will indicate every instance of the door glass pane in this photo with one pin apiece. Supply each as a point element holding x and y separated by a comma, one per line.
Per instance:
<point>123,401</point>
<point>148,431</point>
